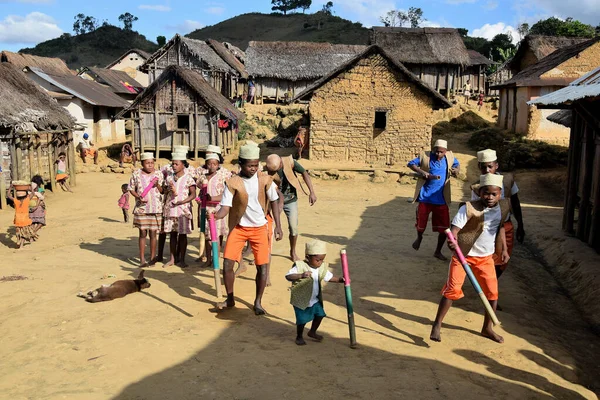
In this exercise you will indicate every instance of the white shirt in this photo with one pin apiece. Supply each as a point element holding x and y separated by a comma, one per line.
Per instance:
<point>513,190</point>
<point>85,144</point>
<point>254,215</point>
<point>485,244</point>
<point>314,298</point>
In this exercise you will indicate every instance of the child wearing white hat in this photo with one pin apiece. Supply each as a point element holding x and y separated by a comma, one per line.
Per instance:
<point>248,199</point>
<point>479,230</point>
<point>306,294</point>
<point>488,164</point>
<point>433,192</point>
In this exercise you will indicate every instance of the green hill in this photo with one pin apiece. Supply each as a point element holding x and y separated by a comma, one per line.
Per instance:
<point>97,48</point>
<point>317,27</point>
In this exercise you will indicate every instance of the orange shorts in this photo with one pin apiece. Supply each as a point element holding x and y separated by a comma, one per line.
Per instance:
<point>484,271</point>
<point>510,242</point>
<point>90,152</point>
<point>259,241</point>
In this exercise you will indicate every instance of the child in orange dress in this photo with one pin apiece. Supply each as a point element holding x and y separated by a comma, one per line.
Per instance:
<point>25,231</point>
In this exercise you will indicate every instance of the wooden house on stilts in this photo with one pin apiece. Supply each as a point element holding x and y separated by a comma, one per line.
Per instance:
<point>181,108</point>
<point>34,128</point>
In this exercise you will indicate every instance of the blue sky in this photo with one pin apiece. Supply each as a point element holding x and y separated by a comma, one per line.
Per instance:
<point>23,23</point>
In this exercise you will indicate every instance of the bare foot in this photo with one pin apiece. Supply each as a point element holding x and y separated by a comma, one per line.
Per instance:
<point>490,334</point>
<point>315,336</point>
<point>294,257</point>
<point>435,334</point>
<point>417,244</point>
<point>144,264</point>
<point>182,265</point>
<point>169,263</point>
<point>258,310</point>
<point>440,256</point>
<point>241,269</point>
<point>156,260</point>
<point>223,305</point>
<point>300,341</point>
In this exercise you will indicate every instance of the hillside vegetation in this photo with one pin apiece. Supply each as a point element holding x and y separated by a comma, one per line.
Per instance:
<point>98,48</point>
<point>317,27</point>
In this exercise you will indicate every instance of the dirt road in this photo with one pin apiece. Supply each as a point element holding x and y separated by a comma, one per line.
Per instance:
<point>166,344</point>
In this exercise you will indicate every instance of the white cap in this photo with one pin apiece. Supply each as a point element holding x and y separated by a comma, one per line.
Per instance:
<point>441,143</point>
<point>146,156</point>
<point>211,148</point>
<point>487,155</point>
<point>178,156</point>
<point>491,180</point>
<point>315,247</point>
<point>181,149</point>
<point>211,157</point>
<point>250,151</point>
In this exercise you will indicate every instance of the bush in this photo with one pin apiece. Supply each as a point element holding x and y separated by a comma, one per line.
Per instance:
<point>466,122</point>
<point>245,129</point>
<point>514,151</point>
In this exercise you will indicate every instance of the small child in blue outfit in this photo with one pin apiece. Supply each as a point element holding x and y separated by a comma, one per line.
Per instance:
<point>306,277</point>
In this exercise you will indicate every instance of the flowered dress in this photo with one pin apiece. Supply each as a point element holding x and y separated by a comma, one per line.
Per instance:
<point>216,186</point>
<point>178,218</point>
<point>147,215</point>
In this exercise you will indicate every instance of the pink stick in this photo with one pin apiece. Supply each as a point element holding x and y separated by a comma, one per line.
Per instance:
<point>458,251</point>
<point>149,187</point>
<point>345,272</point>
<point>213,228</point>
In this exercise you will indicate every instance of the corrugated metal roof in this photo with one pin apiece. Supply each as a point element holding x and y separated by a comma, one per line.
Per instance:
<point>117,80</point>
<point>89,91</point>
<point>584,87</point>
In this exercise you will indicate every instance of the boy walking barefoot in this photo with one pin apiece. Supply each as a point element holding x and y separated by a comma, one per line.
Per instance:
<point>479,230</point>
<point>306,294</point>
<point>433,192</point>
<point>124,202</point>
<point>247,199</point>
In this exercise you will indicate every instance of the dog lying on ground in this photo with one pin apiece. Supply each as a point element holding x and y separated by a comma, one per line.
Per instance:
<point>117,290</point>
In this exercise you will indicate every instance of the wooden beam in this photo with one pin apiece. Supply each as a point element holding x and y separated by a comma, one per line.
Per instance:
<point>3,204</point>
<point>276,91</point>
<point>38,153</point>
<point>19,173</point>
<point>70,160</point>
<point>196,130</point>
<point>447,82</point>
<point>437,80</point>
<point>31,158</point>
<point>156,132</point>
<point>583,219</point>
<point>572,173</point>
<point>51,159</point>
<point>594,236</point>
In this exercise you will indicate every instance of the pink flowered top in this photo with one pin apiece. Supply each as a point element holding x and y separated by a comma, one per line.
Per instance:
<point>124,201</point>
<point>216,185</point>
<point>182,191</point>
<point>139,181</point>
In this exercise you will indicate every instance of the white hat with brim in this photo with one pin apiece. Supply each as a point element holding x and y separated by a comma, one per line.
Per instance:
<point>250,152</point>
<point>211,148</point>
<point>181,149</point>
<point>147,156</point>
<point>211,157</point>
<point>178,157</point>
<point>315,247</point>
<point>487,155</point>
<point>490,180</point>
<point>441,143</point>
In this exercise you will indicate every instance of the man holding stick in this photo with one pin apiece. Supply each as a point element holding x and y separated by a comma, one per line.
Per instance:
<point>479,230</point>
<point>433,192</point>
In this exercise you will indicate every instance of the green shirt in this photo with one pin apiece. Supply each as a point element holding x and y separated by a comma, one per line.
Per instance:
<point>289,192</point>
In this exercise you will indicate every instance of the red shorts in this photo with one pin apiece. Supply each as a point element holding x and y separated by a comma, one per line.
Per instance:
<point>484,271</point>
<point>510,240</point>
<point>440,220</point>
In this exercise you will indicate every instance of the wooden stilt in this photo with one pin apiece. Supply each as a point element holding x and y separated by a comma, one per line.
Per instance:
<point>196,131</point>
<point>51,158</point>
<point>70,159</point>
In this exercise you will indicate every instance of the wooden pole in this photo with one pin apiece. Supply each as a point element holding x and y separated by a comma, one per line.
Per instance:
<point>583,219</point>
<point>573,163</point>
<point>136,124</point>
<point>70,159</point>
<point>38,154</point>
<point>594,236</point>
<point>51,159</point>
<point>156,132</point>
<point>31,158</point>
<point>276,91</point>
<point>3,204</point>
<point>196,130</point>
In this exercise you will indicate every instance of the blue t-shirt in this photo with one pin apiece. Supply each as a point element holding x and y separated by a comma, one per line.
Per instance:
<point>432,191</point>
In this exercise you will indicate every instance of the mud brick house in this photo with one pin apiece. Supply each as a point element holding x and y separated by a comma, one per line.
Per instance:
<point>281,70</point>
<point>370,109</point>
<point>550,74</point>
<point>130,62</point>
<point>34,128</point>
<point>181,108</point>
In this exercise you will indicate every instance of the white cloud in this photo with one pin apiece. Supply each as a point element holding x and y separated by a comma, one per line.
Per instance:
<point>186,26</point>
<point>488,31</point>
<point>33,28</point>
<point>587,11</point>
<point>491,5</point>
<point>215,10</point>
<point>155,7</point>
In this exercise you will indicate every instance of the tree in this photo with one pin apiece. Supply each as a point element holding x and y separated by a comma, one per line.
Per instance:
<point>463,32</point>
<point>501,42</point>
<point>284,5</point>
<point>127,19</point>
<point>161,40</point>
<point>413,17</point>
<point>505,54</point>
<point>557,27</point>
<point>303,4</point>
<point>390,19</point>
<point>523,30</point>
<point>84,24</point>
<point>327,8</point>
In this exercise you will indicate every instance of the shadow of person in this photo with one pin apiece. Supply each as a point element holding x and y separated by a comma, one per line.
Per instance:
<point>9,238</point>
<point>105,219</point>
<point>519,375</point>
<point>119,249</point>
<point>544,361</point>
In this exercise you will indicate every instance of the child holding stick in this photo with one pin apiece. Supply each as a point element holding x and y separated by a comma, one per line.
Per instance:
<point>306,294</point>
<point>478,228</point>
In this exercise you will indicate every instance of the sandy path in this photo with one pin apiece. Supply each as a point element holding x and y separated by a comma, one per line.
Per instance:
<point>166,344</point>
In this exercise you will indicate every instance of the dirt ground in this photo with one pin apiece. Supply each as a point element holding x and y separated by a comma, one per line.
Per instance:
<point>165,343</point>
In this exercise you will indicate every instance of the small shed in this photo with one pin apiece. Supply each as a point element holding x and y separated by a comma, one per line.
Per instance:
<point>182,108</point>
<point>281,70</point>
<point>197,55</point>
<point>119,82</point>
<point>475,72</point>
<point>130,62</point>
<point>552,73</point>
<point>34,128</point>
<point>438,56</point>
<point>580,104</point>
<point>371,109</point>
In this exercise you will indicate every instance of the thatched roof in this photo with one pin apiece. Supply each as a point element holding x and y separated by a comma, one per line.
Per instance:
<point>542,46</point>
<point>422,45</point>
<point>114,79</point>
<point>197,83</point>
<point>562,117</point>
<point>439,100</point>
<point>142,53</point>
<point>25,107</point>
<point>198,48</point>
<point>477,58</point>
<point>531,76</point>
<point>236,51</point>
<point>54,66</point>
<point>296,60</point>
<point>228,57</point>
